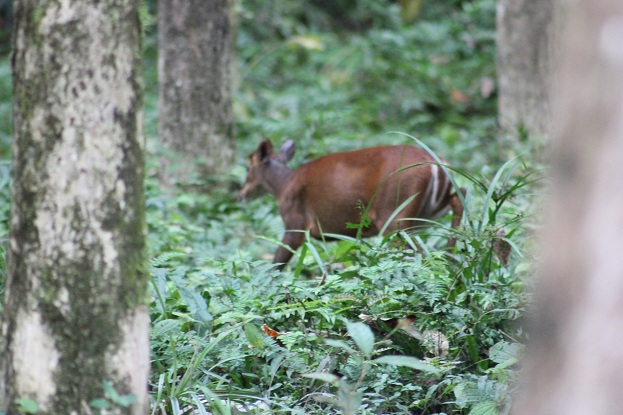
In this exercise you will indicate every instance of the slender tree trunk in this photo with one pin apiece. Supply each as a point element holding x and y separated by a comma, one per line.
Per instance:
<point>525,35</point>
<point>75,312</point>
<point>195,46</point>
<point>574,359</point>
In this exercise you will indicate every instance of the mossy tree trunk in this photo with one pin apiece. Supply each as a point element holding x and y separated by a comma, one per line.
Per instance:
<point>195,47</point>
<point>75,295</point>
<point>525,36</point>
<point>573,363</point>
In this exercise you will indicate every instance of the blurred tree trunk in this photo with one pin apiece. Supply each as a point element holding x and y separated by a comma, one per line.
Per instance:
<point>525,35</point>
<point>74,304</point>
<point>195,46</point>
<point>574,359</point>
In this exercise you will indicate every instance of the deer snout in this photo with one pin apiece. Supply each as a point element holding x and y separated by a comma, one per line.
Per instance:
<point>248,191</point>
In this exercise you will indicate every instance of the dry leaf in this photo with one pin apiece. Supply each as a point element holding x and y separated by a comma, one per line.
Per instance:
<point>458,97</point>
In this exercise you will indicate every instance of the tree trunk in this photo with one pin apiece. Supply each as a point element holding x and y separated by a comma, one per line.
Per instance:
<point>574,359</point>
<point>75,313</point>
<point>525,34</point>
<point>195,46</point>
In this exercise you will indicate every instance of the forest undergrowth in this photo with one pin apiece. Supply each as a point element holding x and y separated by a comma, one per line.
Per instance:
<point>354,326</point>
<point>357,326</point>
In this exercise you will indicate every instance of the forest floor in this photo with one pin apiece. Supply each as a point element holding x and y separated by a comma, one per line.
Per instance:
<point>353,326</point>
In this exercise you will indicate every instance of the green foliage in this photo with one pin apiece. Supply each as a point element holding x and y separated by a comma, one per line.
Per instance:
<point>27,406</point>
<point>426,77</point>
<point>466,297</point>
<point>357,325</point>
<point>392,324</point>
<point>112,398</point>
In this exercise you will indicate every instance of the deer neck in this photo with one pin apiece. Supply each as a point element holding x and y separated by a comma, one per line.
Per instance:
<point>277,174</point>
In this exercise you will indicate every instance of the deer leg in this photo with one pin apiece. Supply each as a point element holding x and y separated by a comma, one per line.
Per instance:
<point>292,239</point>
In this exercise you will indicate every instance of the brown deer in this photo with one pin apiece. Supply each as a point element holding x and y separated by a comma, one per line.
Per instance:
<point>323,195</point>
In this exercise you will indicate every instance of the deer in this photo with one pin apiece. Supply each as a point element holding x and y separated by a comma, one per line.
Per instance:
<point>324,195</point>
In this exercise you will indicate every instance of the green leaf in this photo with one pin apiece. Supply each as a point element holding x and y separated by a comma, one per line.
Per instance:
<point>254,335</point>
<point>408,361</point>
<point>164,327</point>
<point>27,406</point>
<point>175,406</point>
<point>363,337</point>
<point>306,42</point>
<point>325,377</point>
<point>99,403</point>
<point>348,398</point>
<point>125,400</point>
<point>485,408</point>
<point>196,304</point>
<point>507,364</point>
<point>199,404</point>
<point>396,212</point>
<point>110,391</point>
<point>113,395</point>
<point>215,401</point>
<point>503,352</point>
<point>467,393</point>
<point>312,249</point>
<point>340,344</point>
<point>472,347</point>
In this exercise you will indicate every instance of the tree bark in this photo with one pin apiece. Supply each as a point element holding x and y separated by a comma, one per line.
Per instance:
<point>75,295</point>
<point>195,46</point>
<point>574,359</point>
<point>525,36</point>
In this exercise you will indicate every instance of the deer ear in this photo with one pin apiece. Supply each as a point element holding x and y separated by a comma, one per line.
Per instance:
<point>264,150</point>
<point>287,151</point>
